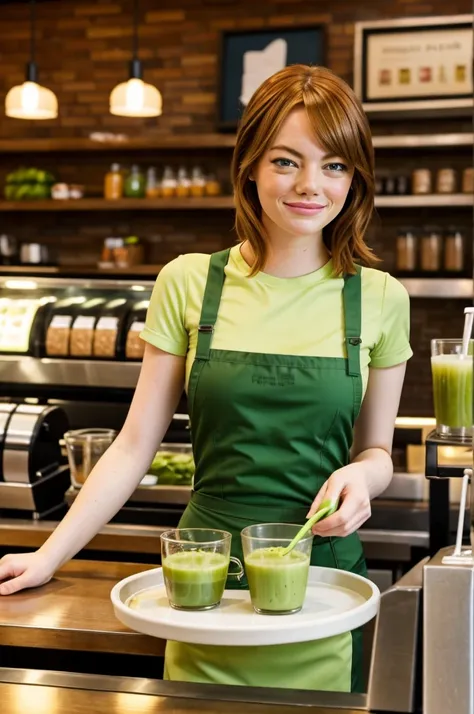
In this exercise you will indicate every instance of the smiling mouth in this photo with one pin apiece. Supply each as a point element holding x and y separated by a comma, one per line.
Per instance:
<point>305,206</point>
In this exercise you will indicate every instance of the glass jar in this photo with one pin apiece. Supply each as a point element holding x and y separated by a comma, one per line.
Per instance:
<point>454,251</point>
<point>153,189</point>
<point>390,186</point>
<point>113,183</point>
<point>84,449</point>
<point>168,183</point>
<point>468,180</point>
<point>431,250</point>
<point>446,181</point>
<point>421,181</point>
<point>402,187</point>
<point>135,183</point>
<point>213,187</point>
<point>406,251</point>
<point>183,186</point>
<point>198,182</point>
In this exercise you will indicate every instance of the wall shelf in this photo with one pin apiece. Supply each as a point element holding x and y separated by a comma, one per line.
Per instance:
<point>122,204</point>
<point>441,288</point>
<point>31,271</point>
<point>431,200</point>
<point>208,141</point>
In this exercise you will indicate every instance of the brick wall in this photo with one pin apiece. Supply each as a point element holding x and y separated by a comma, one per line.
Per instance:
<point>83,49</point>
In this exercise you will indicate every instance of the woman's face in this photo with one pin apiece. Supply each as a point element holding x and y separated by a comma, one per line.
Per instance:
<point>301,188</point>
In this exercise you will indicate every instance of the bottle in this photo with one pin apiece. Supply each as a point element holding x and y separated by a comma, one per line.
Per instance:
<point>135,183</point>
<point>168,183</point>
<point>184,184</point>
<point>152,185</point>
<point>113,183</point>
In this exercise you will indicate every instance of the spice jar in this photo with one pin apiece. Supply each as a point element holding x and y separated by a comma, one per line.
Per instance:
<point>113,183</point>
<point>446,181</point>
<point>406,251</point>
<point>198,182</point>
<point>421,181</point>
<point>134,186</point>
<point>468,180</point>
<point>431,250</point>
<point>183,186</point>
<point>454,251</point>
<point>213,187</point>
<point>168,183</point>
<point>153,189</point>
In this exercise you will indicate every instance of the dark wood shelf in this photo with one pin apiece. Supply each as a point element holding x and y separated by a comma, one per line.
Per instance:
<point>158,143</point>
<point>122,204</point>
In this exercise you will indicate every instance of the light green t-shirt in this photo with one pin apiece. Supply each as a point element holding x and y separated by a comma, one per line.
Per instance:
<point>294,316</point>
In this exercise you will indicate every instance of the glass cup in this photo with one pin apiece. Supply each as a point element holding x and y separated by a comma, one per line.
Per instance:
<point>277,583</point>
<point>195,564</point>
<point>84,449</point>
<point>452,388</point>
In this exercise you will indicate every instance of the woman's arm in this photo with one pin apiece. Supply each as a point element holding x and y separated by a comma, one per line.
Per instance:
<point>115,476</point>
<point>371,467</point>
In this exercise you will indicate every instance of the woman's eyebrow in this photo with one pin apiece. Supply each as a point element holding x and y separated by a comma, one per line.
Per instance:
<point>289,150</point>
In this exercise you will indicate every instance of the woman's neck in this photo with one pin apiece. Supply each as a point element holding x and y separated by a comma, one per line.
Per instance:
<point>290,259</point>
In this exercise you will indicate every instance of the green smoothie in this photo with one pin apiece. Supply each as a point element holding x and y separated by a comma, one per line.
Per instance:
<point>452,390</point>
<point>277,583</point>
<point>194,579</point>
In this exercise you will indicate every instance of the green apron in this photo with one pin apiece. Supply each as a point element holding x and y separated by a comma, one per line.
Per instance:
<point>268,430</point>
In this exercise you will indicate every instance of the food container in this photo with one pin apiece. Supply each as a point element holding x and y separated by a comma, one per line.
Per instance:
<point>421,181</point>
<point>452,388</point>
<point>58,329</point>
<point>134,345</point>
<point>454,251</point>
<point>446,181</point>
<point>173,465</point>
<point>468,180</point>
<point>406,251</point>
<point>431,250</point>
<point>82,331</point>
<point>108,328</point>
<point>84,449</point>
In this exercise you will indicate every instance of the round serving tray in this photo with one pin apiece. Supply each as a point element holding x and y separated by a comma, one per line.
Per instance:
<point>336,601</point>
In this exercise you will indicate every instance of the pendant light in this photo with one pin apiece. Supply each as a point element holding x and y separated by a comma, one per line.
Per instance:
<point>135,98</point>
<point>30,100</point>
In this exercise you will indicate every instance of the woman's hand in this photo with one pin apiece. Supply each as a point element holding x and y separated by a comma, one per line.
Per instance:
<point>349,485</point>
<point>24,570</point>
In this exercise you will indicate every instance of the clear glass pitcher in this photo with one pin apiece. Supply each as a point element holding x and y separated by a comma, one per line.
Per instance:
<point>84,449</point>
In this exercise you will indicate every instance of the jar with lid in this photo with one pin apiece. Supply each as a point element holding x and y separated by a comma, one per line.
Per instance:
<point>82,330</point>
<point>468,180</point>
<point>168,183</point>
<point>431,250</point>
<point>446,181</point>
<point>58,330</point>
<point>183,186</point>
<point>153,188</point>
<point>135,183</point>
<point>454,250</point>
<point>390,186</point>
<point>113,183</point>
<point>198,182</point>
<point>402,185</point>
<point>421,181</point>
<point>406,251</point>
<point>213,187</point>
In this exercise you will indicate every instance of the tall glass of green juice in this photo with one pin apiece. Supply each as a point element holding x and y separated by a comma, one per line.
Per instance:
<point>452,388</point>
<point>277,582</point>
<point>195,564</point>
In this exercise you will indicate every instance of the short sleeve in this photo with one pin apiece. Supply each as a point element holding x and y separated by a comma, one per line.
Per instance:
<point>165,320</point>
<point>393,344</point>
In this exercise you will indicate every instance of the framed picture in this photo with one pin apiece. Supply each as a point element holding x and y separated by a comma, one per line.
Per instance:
<point>249,57</point>
<point>412,64</point>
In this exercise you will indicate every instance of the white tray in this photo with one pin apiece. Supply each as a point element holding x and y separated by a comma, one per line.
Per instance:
<point>336,602</point>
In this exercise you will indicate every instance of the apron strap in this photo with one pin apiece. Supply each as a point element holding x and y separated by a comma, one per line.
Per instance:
<point>211,301</point>
<point>351,297</point>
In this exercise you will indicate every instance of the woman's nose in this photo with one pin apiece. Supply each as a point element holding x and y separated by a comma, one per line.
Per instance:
<point>309,182</point>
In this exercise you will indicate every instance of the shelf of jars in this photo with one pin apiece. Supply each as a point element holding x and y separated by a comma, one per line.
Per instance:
<point>214,203</point>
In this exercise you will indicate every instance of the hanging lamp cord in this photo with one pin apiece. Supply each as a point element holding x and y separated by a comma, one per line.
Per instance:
<point>33,30</point>
<point>135,29</point>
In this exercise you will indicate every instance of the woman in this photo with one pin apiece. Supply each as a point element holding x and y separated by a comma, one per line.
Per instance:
<point>293,358</point>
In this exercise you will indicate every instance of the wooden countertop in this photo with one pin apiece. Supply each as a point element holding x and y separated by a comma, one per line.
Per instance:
<point>74,612</point>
